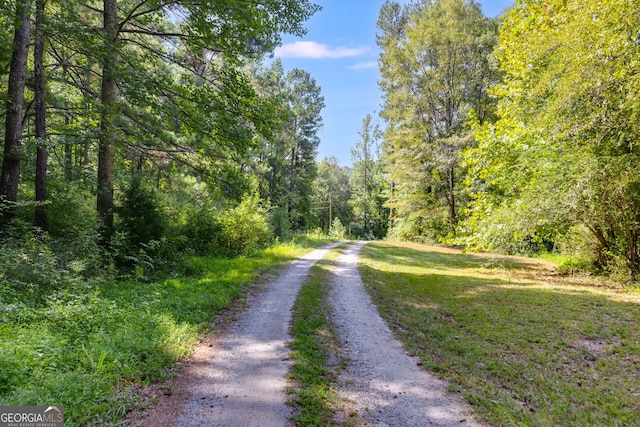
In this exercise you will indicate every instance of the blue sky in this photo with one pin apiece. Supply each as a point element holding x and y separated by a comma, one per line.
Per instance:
<point>340,52</point>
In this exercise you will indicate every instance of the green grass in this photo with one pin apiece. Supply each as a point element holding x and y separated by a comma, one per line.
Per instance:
<point>523,344</point>
<point>314,351</point>
<point>91,348</point>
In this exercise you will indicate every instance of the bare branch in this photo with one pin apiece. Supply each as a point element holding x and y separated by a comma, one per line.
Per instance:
<point>94,9</point>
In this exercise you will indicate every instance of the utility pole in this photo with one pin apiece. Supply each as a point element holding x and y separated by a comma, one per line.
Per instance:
<point>330,211</point>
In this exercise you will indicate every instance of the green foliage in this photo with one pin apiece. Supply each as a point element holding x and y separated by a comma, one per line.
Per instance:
<point>33,264</point>
<point>279,223</point>
<point>419,227</point>
<point>91,348</point>
<point>367,183</point>
<point>202,228</point>
<point>286,165</point>
<point>240,230</point>
<point>436,67</point>
<point>332,192</point>
<point>70,211</point>
<point>561,154</point>
<point>139,214</point>
<point>338,230</point>
<point>245,228</point>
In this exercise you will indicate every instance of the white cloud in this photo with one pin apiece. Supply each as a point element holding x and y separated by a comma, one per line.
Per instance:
<point>317,51</point>
<point>364,65</point>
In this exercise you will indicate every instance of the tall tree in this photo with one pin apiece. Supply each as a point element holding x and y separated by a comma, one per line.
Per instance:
<point>367,181</point>
<point>218,34</point>
<point>40,117</point>
<point>10,175</point>
<point>563,155</point>
<point>287,157</point>
<point>108,97</point>
<point>435,69</point>
<point>306,104</point>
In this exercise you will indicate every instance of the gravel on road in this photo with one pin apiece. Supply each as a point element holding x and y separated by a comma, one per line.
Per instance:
<point>385,384</point>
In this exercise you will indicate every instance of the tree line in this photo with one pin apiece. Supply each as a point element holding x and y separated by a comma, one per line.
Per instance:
<point>515,134</point>
<point>142,128</point>
<point>148,126</point>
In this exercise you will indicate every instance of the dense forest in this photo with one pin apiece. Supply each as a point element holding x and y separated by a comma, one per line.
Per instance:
<point>136,132</point>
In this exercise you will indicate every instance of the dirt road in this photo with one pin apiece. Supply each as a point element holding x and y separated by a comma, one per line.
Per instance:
<point>245,384</point>
<point>383,382</point>
<point>238,379</point>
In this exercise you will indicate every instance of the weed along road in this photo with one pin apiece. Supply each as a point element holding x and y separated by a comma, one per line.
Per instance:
<point>383,382</point>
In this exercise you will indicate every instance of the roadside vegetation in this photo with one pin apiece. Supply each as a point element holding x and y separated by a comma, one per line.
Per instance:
<point>315,351</point>
<point>523,344</point>
<point>90,345</point>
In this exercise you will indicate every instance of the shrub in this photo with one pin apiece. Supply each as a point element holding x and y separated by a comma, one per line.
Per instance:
<point>139,214</point>
<point>337,230</point>
<point>202,229</point>
<point>240,230</point>
<point>71,212</point>
<point>280,224</point>
<point>245,229</point>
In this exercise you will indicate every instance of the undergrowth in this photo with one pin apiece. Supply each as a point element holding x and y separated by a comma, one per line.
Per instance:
<point>89,344</point>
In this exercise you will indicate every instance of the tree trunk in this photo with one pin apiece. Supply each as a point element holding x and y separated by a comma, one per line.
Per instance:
<point>633,257</point>
<point>109,94</point>
<point>392,209</point>
<point>40,112</point>
<point>451,200</point>
<point>292,165</point>
<point>10,176</point>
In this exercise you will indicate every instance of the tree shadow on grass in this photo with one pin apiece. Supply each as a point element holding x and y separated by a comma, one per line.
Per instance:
<point>411,254</point>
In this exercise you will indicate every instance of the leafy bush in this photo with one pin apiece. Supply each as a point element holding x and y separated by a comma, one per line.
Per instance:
<point>415,228</point>
<point>240,230</point>
<point>71,212</point>
<point>338,230</point>
<point>316,234</point>
<point>280,224</point>
<point>245,229</point>
<point>33,263</point>
<point>202,229</point>
<point>139,214</point>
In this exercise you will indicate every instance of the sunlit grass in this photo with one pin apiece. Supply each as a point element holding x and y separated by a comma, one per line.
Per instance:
<point>91,348</point>
<point>523,344</point>
<point>314,350</point>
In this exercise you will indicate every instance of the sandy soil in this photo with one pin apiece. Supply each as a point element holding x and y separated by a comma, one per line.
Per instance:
<point>238,378</point>
<point>384,383</point>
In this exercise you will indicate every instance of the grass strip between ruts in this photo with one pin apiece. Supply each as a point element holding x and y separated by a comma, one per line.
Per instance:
<point>315,350</point>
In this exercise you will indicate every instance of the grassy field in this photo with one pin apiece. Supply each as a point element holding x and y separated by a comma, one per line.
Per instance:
<point>523,344</point>
<point>91,348</point>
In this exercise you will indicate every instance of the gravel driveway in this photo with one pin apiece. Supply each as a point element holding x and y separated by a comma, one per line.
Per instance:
<point>238,379</point>
<point>382,381</point>
<point>245,384</point>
